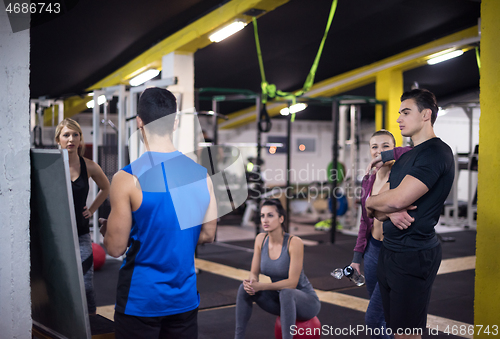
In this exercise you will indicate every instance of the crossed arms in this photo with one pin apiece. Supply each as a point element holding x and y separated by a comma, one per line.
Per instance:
<point>394,203</point>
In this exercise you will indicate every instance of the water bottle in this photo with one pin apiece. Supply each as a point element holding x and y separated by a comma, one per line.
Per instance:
<point>350,273</point>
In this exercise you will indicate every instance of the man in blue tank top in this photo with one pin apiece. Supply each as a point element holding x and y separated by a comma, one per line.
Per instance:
<point>419,184</point>
<point>162,206</point>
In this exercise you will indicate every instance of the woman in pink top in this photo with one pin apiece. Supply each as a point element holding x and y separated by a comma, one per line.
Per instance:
<point>370,234</point>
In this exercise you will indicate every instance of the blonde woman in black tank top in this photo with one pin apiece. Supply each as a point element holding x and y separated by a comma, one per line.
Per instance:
<point>279,256</point>
<point>69,136</point>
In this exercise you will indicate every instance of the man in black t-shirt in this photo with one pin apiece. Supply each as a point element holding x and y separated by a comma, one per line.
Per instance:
<point>419,184</point>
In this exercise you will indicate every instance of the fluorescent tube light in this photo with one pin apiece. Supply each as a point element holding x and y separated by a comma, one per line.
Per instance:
<point>441,112</point>
<point>227,31</point>
<point>143,77</point>
<point>293,109</point>
<point>101,100</point>
<point>444,51</point>
<point>444,57</point>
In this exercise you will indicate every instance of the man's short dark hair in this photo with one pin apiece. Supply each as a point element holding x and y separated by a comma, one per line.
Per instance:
<point>424,99</point>
<point>156,103</point>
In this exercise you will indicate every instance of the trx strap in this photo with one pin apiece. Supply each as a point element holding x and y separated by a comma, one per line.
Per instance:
<point>265,123</point>
<point>312,73</point>
<point>269,91</point>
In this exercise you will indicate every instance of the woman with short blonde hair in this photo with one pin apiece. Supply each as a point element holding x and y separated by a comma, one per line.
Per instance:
<point>69,136</point>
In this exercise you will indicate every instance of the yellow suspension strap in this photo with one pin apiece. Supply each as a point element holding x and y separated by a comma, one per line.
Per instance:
<point>269,91</point>
<point>312,73</point>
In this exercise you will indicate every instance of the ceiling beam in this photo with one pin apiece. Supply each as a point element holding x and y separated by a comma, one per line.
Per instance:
<point>188,39</point>
<point>72,106</point>
<point>365,75</point>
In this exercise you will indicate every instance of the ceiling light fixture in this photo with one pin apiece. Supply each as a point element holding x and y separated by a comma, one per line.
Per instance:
<point>227,31</point>
<point>143,77</point>
<point>434,59</point>
<point>100,100</point>
<point>441,112</point>
<point>293,109</point>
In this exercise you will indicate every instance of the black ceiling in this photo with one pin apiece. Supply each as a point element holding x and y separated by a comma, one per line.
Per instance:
<point>95,38</point>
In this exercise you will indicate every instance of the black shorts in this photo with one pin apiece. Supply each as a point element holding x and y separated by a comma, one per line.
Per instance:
<point>176,326</point>
<point>405,280</point>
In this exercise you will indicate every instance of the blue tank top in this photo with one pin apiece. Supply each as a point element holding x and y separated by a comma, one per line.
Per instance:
<point>158,277</point>
<point>278,269</point>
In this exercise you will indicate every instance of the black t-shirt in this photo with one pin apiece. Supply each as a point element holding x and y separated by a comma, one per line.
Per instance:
<point>432,163</point>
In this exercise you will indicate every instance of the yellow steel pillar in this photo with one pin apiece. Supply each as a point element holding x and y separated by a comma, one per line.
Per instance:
<point>487,292</point>
<point>389,87</point>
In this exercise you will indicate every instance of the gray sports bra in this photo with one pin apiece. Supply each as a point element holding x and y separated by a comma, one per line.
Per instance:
<point>278,269</point>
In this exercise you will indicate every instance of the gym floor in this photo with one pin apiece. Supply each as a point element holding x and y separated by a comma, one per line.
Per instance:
<point>224,264</point>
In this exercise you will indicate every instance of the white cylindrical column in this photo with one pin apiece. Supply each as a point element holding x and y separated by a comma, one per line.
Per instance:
<point>181,66</point>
